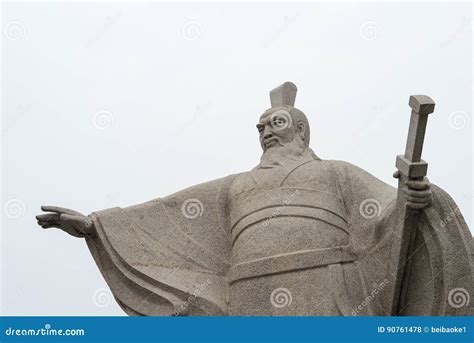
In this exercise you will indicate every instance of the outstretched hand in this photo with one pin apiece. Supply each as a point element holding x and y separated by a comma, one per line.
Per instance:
<point>74,223</point>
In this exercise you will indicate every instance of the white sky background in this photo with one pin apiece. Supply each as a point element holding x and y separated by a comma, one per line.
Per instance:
<point>181,87</point>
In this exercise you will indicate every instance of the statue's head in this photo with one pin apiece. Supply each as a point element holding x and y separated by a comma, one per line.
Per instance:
<point>280,125</point>
<point>283,129</point>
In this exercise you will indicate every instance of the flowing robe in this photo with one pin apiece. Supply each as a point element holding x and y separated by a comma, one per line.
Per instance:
<point>311,237</point>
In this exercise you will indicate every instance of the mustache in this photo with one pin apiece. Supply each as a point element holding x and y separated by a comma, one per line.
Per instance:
<point>268,141</point>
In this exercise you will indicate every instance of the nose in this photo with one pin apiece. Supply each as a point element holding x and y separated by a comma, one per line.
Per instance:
<point>267,133</point>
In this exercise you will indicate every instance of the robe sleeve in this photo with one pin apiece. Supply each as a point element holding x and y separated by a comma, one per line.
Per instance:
<point>440,281</point>
<point>168,256</point>
<point>441,278</point>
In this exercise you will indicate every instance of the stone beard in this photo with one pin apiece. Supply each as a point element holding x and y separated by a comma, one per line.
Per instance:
<point>295,236</point>
<point>283,153</point>
<point>277,156</point>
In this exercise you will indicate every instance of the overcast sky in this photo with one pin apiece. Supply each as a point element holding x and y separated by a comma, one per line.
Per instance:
<point>115,104</point>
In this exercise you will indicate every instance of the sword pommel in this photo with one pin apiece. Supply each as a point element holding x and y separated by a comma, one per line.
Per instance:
<point>421,104</point>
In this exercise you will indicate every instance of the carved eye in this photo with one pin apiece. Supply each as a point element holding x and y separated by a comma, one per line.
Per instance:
<point>279,122</point>
<point>260,128</point>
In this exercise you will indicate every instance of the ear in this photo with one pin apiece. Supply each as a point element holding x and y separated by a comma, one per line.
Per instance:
<point>300,127</point>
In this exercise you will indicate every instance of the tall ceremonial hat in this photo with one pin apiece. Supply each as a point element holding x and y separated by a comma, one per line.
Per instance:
<point>283,97</point>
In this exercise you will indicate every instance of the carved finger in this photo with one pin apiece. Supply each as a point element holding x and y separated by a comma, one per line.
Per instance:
<point>419,185</point>
<point>48,217</point>
<point>415,206</point>
<point>417,193</point>
<point>60,210</point>
<point>417,200</point>
<point>49,225</point>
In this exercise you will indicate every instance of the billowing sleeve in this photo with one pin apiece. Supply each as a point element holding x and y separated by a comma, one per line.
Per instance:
<point>168,256</point>
<point>440,278</point>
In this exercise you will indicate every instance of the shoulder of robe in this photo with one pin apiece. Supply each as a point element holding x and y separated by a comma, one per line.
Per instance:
<point>318,171</point>
<point>243,182</point>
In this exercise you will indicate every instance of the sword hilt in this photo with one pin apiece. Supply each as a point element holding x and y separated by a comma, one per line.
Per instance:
<point>411,165</point>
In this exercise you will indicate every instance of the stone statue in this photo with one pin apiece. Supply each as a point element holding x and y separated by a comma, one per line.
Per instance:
<point>296,235</point>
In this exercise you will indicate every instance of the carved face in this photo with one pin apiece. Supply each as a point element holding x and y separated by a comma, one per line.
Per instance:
<point>276,128</point>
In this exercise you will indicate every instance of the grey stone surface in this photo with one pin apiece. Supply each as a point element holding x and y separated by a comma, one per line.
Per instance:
<point>296,235</point>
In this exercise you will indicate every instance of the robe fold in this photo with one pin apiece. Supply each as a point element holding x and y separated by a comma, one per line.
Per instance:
<point>157,261</point>
<point>177,255</point>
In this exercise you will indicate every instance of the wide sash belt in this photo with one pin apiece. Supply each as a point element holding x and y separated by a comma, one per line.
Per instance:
<point>291,262</point>
<point>259,208</point>
<point>264,217</point>
<point>278,198</point>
